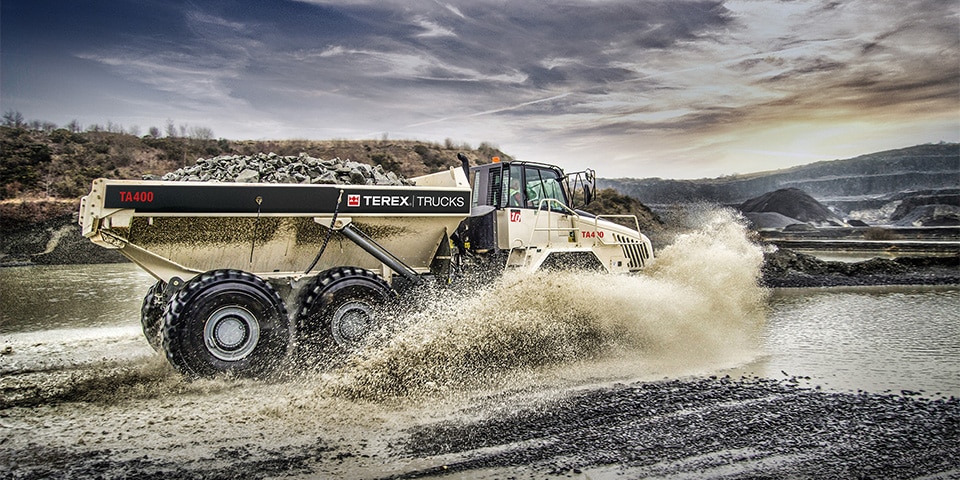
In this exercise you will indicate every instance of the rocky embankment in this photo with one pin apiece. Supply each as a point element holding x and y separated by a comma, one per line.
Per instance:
<point>45,232</point>
<point>786,268</point>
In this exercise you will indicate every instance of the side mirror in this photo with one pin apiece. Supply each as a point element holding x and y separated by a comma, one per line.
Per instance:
<point>587,195</point>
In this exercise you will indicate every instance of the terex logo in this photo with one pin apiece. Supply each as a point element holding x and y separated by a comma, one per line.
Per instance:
<point>353,200</point>
<point>387,201</point>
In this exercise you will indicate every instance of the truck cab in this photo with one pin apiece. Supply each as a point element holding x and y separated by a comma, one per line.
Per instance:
<point>526,215</point>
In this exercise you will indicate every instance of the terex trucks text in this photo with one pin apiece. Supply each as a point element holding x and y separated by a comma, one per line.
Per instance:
<point>247,274</point>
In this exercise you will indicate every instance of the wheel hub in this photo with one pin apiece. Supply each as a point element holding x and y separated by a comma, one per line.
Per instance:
<point>352,322</point>
<point>231,333</point>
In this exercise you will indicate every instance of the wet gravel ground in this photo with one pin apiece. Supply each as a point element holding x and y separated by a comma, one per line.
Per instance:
<point>692,428</point>
<point>707,428</point>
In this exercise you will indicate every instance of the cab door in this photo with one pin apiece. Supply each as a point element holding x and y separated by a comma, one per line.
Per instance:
<point>536,212</point>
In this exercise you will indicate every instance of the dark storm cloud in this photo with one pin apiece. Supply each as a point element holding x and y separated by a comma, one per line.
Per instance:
<point>535,45</point>
<point>670,75</point>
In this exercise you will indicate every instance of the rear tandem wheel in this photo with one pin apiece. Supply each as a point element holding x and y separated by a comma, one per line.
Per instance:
<point>151,315</point>
<point>226,321</point>
<point>342,307</point>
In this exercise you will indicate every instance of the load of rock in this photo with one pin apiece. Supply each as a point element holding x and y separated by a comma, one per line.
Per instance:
<point>273,168</point>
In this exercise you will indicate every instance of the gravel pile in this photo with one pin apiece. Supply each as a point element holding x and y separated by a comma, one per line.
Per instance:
<point>273,168</point>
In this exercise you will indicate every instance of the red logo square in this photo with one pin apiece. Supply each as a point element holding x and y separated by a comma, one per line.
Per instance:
<point>353,200</point>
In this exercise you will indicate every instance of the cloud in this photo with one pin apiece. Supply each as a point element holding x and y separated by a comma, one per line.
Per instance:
<point>432,29</point>
<point>668,79</point>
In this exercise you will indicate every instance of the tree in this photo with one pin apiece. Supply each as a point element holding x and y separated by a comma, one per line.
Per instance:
<point>201,133</point>
<point>13,118</point>
<point>171,129</point>
<point>74,126</point>
<point>154,132</point>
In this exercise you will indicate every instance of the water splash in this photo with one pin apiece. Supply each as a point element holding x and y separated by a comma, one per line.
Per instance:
<point>698,307</point>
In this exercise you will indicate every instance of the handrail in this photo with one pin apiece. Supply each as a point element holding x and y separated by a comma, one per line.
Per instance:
<point>567,210</point>
<point>540,207</point>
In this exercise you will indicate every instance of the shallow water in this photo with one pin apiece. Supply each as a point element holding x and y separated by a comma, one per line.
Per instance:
<point>696,312</point>
<point>872,339</point>
<point>54,297</point>
<point>78,378</point>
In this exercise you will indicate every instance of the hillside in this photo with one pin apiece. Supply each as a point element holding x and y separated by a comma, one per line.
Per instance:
<point>61,163</point>
<point>43,173</point>
<point>867,181</point>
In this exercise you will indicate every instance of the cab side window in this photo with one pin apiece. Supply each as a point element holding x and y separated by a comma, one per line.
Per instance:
<point>543,184</point>
<point>515,194</point>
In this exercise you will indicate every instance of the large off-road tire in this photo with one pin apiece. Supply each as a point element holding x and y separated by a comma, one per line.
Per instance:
<point>342,307</point>
<point>226,321</point>
<point>151,315</point>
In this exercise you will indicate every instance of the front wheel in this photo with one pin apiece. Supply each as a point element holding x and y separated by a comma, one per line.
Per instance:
<point>226,321</point>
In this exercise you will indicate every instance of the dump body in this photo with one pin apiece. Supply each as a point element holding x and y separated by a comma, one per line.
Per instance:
<point>181,229</point>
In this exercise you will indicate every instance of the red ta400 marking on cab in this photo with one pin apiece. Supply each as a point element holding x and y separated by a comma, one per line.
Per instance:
<point>140,197</point>
<point>591,234</point>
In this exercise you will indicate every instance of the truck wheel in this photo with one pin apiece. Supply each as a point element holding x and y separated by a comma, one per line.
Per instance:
<point>151,315</point>
<point>343,305</point>
<point>226,321</point>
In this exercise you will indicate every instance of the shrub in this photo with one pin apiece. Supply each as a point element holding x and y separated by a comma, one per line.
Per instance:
<point>879,233</point>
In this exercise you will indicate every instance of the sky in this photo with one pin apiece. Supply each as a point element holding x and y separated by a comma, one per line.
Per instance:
<point>629,88</point>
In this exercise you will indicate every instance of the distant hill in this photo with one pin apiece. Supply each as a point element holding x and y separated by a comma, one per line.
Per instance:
<point>863,182</point>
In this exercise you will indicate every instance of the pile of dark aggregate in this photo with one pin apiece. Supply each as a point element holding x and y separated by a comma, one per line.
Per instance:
<point>716,427</point>
<point>273,168</point>
<point>786,268</point>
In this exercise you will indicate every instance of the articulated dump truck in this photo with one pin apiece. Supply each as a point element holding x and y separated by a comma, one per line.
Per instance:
<point>248,274</point>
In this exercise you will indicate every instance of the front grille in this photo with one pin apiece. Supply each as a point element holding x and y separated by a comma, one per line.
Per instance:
<point>635,251</point>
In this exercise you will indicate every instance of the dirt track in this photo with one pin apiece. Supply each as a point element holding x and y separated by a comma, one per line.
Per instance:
<point>146,422</point>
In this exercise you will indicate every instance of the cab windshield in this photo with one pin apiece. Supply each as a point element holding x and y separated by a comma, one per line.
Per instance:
<point>529,185</point>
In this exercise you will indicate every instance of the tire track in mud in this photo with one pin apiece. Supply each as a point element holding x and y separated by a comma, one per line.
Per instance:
<point>709,428</point>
